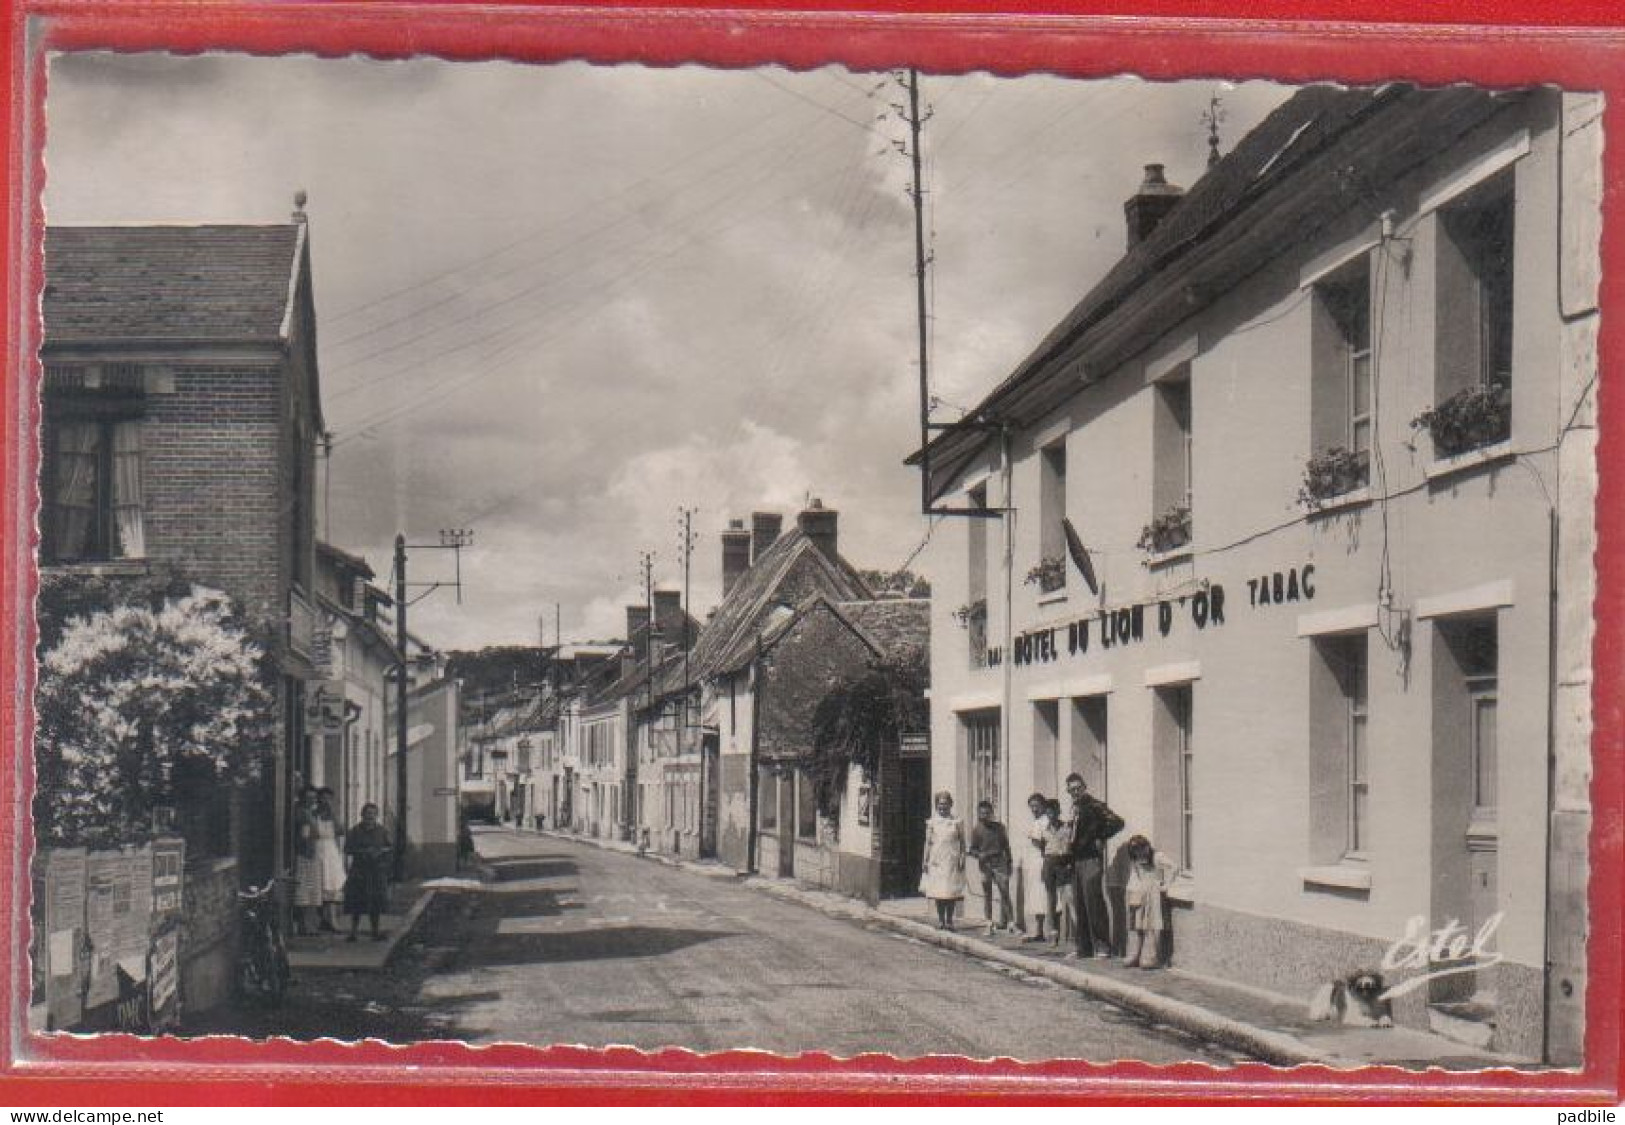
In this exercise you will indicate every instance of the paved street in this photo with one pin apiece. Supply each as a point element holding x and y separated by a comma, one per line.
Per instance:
<point>577,945</point>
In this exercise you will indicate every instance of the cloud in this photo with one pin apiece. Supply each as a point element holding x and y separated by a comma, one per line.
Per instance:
<point>557,303</point>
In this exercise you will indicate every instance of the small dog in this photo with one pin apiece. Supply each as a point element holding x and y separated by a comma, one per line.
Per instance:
<point>1355,1001</point>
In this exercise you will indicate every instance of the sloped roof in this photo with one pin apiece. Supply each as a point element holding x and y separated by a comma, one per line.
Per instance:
<point>729,638</point>
<point>354,562</point>
<point>1287,178</point>
<point>892,625</point>
<point>169,284</point>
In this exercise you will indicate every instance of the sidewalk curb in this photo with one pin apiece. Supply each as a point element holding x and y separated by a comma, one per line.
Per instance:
<point>313,963</point>
<point>1276,1048</point>
<point>1273,1047</point>
<point>409,922</point>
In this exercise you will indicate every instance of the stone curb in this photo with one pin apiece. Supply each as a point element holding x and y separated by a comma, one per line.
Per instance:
<point>1270,1046</point>
<point>307,962</point>
<point>1276,1048</point>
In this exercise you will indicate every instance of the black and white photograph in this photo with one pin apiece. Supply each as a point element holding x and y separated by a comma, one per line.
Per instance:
<point>871,562</point>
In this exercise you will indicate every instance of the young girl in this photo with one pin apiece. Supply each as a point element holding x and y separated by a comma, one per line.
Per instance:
<point>1143,894</point>
<point>943,880</point>
<point>1057,868</point>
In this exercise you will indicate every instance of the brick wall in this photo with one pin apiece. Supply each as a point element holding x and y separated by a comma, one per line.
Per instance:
<point>212,454</point>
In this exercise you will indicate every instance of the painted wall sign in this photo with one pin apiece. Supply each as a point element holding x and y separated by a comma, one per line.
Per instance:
<point>1111,627</point>
<point>1294,584</point>
<point>914,746</point>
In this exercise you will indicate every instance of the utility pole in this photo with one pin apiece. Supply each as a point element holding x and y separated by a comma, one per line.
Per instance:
<point>453,540</point>
<point>647,565</point>
<point>920,266</point>
<point>400,707</point>
<point>685,730</point>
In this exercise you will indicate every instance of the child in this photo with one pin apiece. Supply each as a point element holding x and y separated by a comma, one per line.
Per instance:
<point>1143,895</point>
<point>1057,867</point>
<point>990,844</point>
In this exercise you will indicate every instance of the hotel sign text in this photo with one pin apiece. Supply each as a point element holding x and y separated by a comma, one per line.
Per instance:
<point>1129,624</point>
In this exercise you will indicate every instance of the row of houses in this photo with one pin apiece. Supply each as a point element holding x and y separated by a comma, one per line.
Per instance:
<point>1282,539</point>
<point>700,739</point>
<point>181,432</point>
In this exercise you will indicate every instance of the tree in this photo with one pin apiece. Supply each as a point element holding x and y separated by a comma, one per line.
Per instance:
<point>154,687</point>
<point>858,718</point>
<point>901,583</point>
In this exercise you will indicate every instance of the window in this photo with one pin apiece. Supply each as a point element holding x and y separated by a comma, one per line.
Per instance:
<point>92,486</point>
<point>767,800</point>
<point>1340,780</point>
<point>806,807</point>
<point>1474,318</point>
<point>1474,643</point>
<point>981,741</point>
<point>1171,485</point>
<point>1174,811</point>
<point>1342,367</point>
<point>1052,511</point>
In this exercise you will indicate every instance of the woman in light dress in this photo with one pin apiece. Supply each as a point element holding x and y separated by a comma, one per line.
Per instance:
<point>331,854</point>
<point>1034,895</point>
<point>307,886</point>
<point>943,880</point>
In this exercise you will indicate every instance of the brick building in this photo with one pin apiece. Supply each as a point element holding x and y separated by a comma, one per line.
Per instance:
<point>181,416</point>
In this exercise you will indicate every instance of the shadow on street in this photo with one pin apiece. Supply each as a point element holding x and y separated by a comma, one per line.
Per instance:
<point>609,944</point>
<point>530,867</point>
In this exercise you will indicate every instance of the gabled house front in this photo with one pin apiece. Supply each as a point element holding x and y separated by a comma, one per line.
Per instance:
<point>181,416</point>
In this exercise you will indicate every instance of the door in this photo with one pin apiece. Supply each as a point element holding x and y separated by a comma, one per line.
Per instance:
<point>787,825</point>
<point>906,825</point>
<point>711,788</point>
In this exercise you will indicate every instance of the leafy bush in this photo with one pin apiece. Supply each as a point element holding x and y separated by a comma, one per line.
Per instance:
<point>1167,532</point>
<point>971,612</point>
<point>144,692</point>
<point>857,719</point>
<point>1049,575</point>
<point>1469,419</point>
<point>1332,473</point>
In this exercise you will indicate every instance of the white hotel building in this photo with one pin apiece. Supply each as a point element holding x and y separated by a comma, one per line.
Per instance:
<point>1337,713</point>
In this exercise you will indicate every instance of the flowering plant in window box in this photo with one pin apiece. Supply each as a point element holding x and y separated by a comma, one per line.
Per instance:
<point>1469,419</point>
<point>1332,473</point>
<point>1049,575</point>
<point>971,613</point>
<point>1168,532</point>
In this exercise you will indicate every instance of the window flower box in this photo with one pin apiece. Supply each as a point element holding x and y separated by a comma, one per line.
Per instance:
<point>1331,474</point>
<point>971,613</point>
<point>1049,575</point>
<point>1468,420</point>
<point>1168,532</point>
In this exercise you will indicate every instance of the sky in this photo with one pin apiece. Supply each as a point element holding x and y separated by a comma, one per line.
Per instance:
<point>558,304</point>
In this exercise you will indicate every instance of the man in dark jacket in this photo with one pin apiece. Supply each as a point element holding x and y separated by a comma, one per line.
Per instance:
<point>1093,823</point>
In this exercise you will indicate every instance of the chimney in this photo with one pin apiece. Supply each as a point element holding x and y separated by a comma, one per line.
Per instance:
<point>818,524</point>
<point>1150,205</point>
<point>764,529</point>
<point>735,554</point>
<point>637,619</point>
<point>669,616</point>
